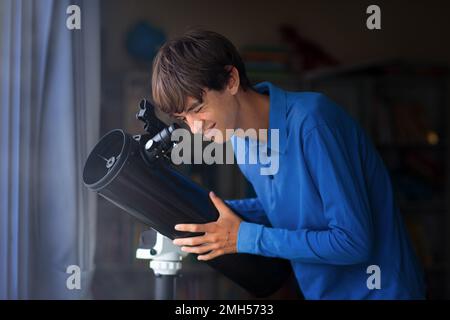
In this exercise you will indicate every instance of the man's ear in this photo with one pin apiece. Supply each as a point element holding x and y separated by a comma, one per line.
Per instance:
<point>233,81</point>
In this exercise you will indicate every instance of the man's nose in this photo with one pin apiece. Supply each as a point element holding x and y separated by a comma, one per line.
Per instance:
<point>195,124</point>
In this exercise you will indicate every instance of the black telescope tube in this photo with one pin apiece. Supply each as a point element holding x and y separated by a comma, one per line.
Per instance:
<point>159,196</point>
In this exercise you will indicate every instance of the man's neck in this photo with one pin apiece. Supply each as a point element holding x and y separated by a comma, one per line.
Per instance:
<point>253,112</point>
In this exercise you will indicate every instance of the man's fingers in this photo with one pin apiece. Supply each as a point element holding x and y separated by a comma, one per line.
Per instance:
<point>191,241</point>
<point>214,254</point>
<point>205,227</point>
<point>201,249</point>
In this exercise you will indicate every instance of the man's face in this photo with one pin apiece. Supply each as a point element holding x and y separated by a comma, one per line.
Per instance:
<point>212,116</point>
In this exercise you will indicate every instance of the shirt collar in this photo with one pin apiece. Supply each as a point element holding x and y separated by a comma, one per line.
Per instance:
<point>277,113</point>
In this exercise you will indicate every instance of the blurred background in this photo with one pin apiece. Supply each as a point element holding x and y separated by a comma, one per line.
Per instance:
<point>62,89</point>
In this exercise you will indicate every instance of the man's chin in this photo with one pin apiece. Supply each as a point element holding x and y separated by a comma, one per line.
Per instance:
<point>217,139</point>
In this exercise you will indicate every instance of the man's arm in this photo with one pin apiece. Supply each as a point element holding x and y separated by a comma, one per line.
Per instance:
<point>348,239</point>
<point>250,210</point>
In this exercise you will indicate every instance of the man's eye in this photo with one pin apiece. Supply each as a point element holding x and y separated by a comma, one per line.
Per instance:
<point>197,110</point>
<point>181,119</point>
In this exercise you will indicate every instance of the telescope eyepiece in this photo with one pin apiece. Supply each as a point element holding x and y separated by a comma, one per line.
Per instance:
<point>161,142</point>
<point>147,115</point>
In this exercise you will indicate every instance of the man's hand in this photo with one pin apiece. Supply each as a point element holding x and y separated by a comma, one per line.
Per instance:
<point>220,236</point>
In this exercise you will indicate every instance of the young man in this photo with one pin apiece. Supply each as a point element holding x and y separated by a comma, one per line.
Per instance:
<point>329,208</point>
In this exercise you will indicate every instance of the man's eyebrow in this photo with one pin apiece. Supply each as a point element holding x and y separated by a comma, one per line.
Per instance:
<point>190,108</point>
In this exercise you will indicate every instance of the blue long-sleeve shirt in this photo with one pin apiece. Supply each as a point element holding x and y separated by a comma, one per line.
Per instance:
<point>329,208</point>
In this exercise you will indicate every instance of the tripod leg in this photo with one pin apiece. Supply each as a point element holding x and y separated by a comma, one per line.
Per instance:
<point>165,287</point>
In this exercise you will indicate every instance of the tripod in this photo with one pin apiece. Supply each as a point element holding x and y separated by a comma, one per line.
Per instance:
<point>165,261</point>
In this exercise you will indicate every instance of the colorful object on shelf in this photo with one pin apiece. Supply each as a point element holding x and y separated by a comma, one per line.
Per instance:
<point>308,55</point>
<point>143,41</point>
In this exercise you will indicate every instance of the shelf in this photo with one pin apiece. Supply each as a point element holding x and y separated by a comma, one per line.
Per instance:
<point>432,206</point>
<point>410,146</point>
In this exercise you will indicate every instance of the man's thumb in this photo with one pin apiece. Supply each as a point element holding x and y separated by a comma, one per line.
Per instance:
<point>218,203</point>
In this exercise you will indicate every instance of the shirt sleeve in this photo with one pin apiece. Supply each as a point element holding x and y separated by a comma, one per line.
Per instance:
<point>338,176</point>
<point>250,210</point>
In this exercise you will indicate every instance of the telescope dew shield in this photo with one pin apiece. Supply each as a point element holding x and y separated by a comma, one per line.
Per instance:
<point>159,196</point>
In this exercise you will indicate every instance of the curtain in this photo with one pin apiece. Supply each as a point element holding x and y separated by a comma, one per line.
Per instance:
<point>49,121</point>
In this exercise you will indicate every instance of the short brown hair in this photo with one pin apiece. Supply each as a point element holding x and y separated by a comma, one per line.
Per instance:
<point>185,66</point>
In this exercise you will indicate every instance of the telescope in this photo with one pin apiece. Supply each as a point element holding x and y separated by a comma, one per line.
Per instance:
<point>136,174</point>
